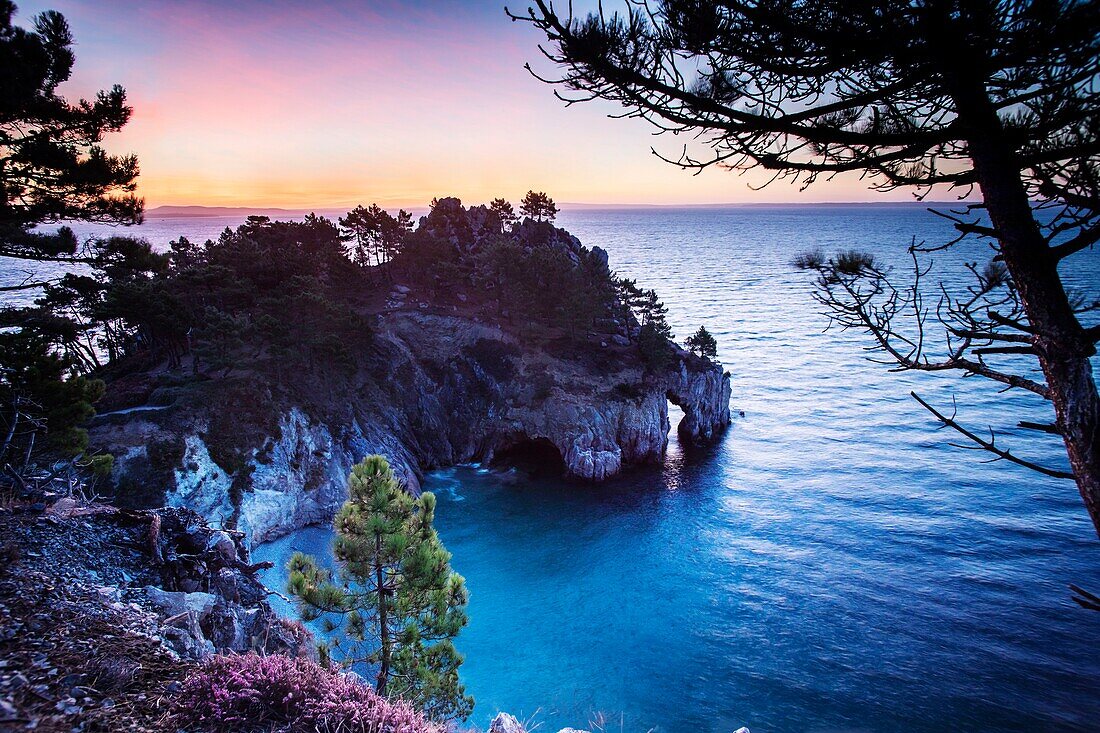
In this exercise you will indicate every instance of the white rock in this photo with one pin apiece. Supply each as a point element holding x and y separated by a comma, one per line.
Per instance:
<point>173,603</point>
<point>206,489</point>
<point>505,723</point>
<point>108,593</point>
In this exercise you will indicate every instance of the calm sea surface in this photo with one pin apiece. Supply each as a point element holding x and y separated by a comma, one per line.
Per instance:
<point>831,565</point>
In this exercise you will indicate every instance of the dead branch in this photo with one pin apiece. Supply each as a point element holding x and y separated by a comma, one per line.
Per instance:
<point>989,445</point>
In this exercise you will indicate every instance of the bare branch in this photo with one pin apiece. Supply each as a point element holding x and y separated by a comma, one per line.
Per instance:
<point>990,445</point>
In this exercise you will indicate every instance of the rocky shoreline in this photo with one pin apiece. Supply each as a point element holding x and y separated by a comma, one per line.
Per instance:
<point>105,613</point>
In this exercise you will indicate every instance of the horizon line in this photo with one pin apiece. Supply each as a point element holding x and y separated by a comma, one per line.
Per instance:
<point>199,209</point>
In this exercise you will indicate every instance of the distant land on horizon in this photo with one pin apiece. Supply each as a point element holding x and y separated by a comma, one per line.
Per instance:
<point>172,211</point>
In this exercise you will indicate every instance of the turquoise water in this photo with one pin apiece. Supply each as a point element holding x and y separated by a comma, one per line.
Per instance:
<point>831,565</point>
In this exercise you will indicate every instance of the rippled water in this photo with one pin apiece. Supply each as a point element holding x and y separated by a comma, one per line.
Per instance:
<point>831,565</point>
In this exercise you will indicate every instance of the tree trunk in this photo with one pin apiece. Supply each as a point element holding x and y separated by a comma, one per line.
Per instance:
<point>383,619</point>
<point>30,449</point>
<point>11,430</point>
<point>1060,341</point>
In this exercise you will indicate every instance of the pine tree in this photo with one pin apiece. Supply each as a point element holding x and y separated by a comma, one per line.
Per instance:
<point>702,343</point>
<point>504,210</point>
<point>358,229</point>
<point>52,167</point>
<point>398,604</point>
<point>374,233</point>
<point>41,396</point>
<point>655,333</point>
<point>394,231</point>
<point>538,206</point>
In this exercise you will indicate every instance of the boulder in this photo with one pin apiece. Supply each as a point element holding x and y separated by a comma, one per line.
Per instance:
<point>505,723</point>
<point>172,604</point>
<point>600,256</point>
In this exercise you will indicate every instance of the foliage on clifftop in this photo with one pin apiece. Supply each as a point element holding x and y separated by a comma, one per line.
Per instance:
<point>275,313</point>
<point>284,298</point>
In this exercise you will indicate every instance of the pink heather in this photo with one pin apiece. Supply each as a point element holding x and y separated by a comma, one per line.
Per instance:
<point>233,692</point>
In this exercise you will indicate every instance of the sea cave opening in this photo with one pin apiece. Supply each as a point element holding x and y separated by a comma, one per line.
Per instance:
<point>674,450</point>
<point>536,456</point>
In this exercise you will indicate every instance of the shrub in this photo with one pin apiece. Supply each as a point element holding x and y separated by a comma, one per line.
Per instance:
<point>854,262</point>
<point>494,358</point>
<point>138,488</point>
<point>624,390</point>
<point>165,455</point>
<point>543,386</point>
<point>249,692</point>
<point>656,351</point>
<point>813,259</point>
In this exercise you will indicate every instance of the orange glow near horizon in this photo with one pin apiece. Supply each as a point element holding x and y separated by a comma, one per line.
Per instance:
<point>277,105</point>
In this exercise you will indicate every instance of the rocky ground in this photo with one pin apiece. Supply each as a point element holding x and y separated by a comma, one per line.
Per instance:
<point>103,612</point>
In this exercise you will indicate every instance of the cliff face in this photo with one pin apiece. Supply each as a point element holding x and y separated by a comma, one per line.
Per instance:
<point>440,386</point>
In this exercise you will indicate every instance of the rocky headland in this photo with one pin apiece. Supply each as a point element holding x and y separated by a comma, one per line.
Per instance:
<point>452,372</point>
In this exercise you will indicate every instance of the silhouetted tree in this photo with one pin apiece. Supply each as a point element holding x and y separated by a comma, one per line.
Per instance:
<point>52,167</point>
<point>504,210</point>
<point>375,234</point>
<point>538,206</point>
<point>360,230</point>
<point>998,96</point>
<point>702,343</point>
<point>395,231</point>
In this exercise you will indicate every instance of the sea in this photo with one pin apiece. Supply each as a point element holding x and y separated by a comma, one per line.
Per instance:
<point>835,563</point>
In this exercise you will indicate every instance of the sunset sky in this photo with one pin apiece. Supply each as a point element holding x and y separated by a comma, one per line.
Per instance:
<point>320,104</point>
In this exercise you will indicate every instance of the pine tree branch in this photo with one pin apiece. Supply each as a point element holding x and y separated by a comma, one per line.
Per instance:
<point>989,445</point>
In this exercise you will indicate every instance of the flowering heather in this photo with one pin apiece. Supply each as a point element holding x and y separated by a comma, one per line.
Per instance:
<point>249,692</point>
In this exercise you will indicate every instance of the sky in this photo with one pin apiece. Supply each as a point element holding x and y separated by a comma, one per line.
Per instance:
<point>332,104</point>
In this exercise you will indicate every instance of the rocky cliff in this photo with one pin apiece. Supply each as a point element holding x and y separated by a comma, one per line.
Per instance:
<point>447,378</point>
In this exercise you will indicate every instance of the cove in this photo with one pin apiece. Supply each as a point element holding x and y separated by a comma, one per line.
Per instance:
<point>678,599</point>
<point>832,564</point>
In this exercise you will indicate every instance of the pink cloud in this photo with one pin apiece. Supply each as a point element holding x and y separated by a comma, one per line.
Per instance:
<point>306,104</point>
